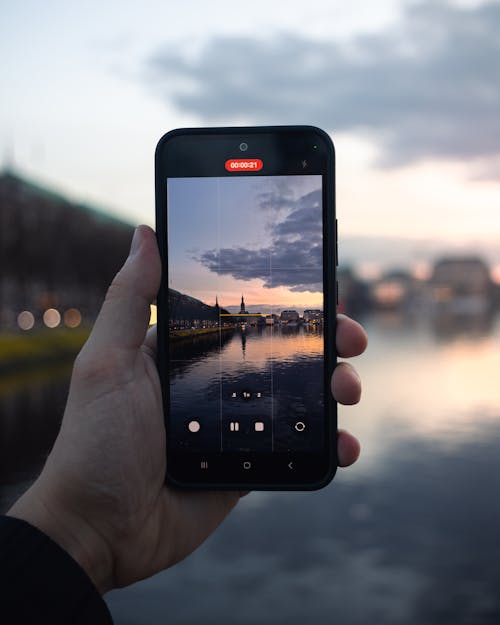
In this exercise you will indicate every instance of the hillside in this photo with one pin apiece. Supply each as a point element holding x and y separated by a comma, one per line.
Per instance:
<point>186,307</point>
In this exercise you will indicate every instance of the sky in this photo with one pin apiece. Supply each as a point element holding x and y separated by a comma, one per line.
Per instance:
<point>269,250</point>
<point>409,91</point>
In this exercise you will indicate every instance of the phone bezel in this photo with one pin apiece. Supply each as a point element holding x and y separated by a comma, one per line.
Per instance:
<point>173,158</point>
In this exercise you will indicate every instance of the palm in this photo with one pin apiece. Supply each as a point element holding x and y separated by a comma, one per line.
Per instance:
<point>122,495</point>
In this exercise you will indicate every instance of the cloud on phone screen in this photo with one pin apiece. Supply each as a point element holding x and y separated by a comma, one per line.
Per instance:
<point>294,257</point>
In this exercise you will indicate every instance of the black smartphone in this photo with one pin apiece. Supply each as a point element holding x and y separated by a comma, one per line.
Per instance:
<point>246,228</point>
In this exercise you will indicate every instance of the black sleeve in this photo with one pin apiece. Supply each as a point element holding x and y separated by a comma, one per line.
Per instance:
<point>41,583</point>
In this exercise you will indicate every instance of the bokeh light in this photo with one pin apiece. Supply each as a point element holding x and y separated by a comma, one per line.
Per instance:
<point>153,315</point>
<point>51,318</point>
<point>72,318</point>
<point>25,320</point>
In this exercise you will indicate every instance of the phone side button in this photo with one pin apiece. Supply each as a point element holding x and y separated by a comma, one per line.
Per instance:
<point>337,291</point>
<point>337,242</point>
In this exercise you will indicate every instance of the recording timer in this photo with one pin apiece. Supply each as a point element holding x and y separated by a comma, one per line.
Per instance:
<point>244,164</point>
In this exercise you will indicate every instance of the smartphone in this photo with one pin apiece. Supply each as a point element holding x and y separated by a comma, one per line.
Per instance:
<point>246,228</point>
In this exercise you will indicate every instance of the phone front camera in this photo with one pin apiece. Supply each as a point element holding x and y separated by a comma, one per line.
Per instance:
<point>243,147</point>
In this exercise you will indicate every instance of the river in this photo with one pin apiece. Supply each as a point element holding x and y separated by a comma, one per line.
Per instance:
<point>269,377</point>
<point>410,534</point>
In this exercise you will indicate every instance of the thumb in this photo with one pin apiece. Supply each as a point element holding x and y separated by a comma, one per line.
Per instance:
<point>124,316</point>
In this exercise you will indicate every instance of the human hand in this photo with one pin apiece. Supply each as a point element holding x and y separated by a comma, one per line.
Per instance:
<point>101,494</point>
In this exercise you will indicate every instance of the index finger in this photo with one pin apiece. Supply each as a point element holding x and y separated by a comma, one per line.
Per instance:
<point>351,337</point>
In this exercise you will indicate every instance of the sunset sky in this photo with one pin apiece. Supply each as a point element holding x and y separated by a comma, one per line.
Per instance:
<point>259,236</point>
<point>409,91</point>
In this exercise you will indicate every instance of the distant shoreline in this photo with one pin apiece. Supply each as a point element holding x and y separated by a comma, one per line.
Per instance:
<point>179,335</point>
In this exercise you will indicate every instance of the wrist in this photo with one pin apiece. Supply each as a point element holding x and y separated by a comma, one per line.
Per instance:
<point>70,531</point>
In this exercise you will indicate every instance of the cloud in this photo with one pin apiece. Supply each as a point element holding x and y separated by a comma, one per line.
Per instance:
<point>429,87</point>
<point>281,196</point>
<point>294,258</point>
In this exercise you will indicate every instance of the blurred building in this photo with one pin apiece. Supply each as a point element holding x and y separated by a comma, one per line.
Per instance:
<point>461,286</point>
<point>55,255</point>
<point>397,291</point>
<point>353,294</point>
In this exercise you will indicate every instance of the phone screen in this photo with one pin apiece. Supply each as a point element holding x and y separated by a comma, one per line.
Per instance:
<point>247,389</point>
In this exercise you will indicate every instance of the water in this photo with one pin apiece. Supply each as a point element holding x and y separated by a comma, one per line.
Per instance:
<point>257,375</point>
<point>408,535</point>
<point>31,408</point>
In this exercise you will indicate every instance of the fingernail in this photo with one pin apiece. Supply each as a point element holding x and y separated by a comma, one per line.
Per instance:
<point>136,242</point>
